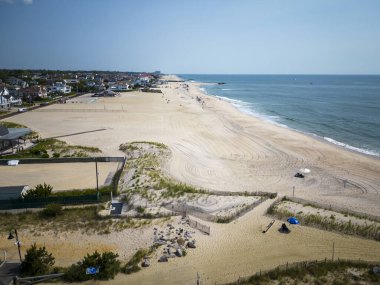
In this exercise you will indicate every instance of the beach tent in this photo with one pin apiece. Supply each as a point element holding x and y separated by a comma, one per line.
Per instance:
<point>293,221</point>
<point>305,170</point>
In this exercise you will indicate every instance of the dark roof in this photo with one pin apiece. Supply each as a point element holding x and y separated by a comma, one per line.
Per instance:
<point>13,133</point>
<point>11,192</point>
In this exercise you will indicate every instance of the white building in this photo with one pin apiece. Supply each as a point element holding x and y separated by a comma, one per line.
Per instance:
<point>119,88</point>
<point>71,81</point>
<point>60,87</point>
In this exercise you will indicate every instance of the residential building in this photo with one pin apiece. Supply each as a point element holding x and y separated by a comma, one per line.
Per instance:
<point>60,87</point>
<point>16,81</point>
<point>33,92</point>
<point>119,87</point>
<point>71,81</point>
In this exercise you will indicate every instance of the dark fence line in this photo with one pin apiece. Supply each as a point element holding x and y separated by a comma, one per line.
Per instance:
<point>38,106</point>
<point>200,213</point>
<point>300,264</point>
<point>65,160</point>
<point>42,202</point>
<point>246,193</point>
<point>333,208</point>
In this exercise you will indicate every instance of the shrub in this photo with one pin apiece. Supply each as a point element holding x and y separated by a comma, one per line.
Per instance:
<point>51,211</point>
<point>37,262</point>
<point>107,263</point>
<point>133,264</point>
<point>40,191</point>
<point>140,209</point>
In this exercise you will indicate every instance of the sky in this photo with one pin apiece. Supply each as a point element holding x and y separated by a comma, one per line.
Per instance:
<point>192,36</point>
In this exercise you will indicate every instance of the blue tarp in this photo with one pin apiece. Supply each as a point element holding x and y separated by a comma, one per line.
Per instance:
<point>293,221</point>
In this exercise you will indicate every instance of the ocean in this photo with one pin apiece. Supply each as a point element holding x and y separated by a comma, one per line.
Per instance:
<point>342,109</point>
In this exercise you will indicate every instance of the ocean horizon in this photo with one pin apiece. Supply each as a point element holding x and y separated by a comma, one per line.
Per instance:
<point>340,109</point>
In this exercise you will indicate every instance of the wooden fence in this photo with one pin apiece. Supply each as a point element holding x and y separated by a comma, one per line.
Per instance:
<point>333,208</point>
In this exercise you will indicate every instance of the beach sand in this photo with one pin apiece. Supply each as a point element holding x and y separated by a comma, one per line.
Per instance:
<point>216,147</point>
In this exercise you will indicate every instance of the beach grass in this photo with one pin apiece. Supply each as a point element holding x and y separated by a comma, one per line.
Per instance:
<point>84,219</point>
<point>370,231</point>
<point>133,265</point>
<point>47,148</point>
<point>323,272</point>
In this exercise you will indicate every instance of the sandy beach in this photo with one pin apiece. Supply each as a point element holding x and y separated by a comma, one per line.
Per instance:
<point>216,147</point>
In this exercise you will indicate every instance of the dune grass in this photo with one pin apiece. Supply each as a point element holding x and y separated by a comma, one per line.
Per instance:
<point>320,273</point>
<point>370,231</point>
<point>84,219</point>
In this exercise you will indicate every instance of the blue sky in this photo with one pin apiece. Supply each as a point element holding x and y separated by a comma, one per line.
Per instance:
<point>193,36</point>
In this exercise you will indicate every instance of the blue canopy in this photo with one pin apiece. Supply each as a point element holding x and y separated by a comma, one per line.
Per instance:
<point>293,221</point>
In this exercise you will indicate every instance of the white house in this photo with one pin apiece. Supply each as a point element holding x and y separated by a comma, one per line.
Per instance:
<point>60,87</point>
<point>71,81</point>
<point>119,88</point>
<point>4,102</point>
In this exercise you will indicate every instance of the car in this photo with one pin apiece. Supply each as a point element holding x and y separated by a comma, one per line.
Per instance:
<point>44,104</point>
<point>22,110</point>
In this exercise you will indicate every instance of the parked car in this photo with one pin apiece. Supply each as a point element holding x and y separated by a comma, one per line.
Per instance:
<point>22,110</point>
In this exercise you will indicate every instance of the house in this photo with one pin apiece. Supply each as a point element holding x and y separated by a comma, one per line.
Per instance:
<point>60,87</point>
<point>14,91</point>
<point>16,81</point>
<point>13,192</point>
<point>71,81</point>
<point>90,83</point>
<point>33,92</point>
<point>4,93</point>
<point>119,87</point>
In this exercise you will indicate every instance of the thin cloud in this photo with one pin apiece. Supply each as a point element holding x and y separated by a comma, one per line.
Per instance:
<point>27,2</point>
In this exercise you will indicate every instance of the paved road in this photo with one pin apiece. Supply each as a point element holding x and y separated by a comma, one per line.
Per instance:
<point>8,271</point>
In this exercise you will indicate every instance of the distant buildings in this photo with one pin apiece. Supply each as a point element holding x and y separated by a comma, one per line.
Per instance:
<point>60,87</point>
<point>34,85</point>
<point>30,94</point>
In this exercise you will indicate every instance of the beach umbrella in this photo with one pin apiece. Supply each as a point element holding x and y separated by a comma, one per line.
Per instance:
<point>305,170</point>
<point>293,221</point>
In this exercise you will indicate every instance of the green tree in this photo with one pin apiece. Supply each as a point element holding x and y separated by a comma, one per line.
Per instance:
<point>37,261</point>
<point>40,191</point>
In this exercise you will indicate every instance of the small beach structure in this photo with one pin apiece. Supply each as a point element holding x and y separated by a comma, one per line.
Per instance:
<point>284,229</point>
<point>293,221</point>
<point>11,137</point>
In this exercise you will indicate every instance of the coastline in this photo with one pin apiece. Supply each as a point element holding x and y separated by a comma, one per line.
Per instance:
<point>341,156</point>
<point>266,118</point>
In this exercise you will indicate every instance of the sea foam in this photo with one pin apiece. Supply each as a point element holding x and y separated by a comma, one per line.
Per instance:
<point>350,147</point>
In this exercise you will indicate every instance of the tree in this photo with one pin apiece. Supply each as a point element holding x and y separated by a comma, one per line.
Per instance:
<point>37,261</point>
<point>40,191</point>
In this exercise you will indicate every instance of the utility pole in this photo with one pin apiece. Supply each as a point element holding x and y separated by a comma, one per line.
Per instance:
<point>97,179</point>
<point>333,251</point>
